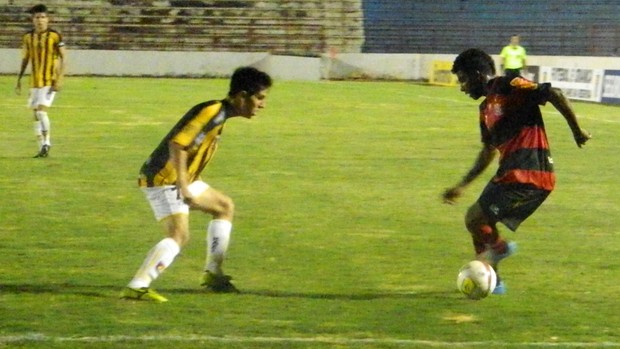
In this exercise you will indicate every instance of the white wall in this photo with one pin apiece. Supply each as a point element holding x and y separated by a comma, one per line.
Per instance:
<point>372,65</point>
<point>341,66</point>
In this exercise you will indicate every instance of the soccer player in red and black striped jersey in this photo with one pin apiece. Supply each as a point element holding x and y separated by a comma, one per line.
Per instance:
<point>43,48</point>
<point>170,179</point>
<point>511,124</point>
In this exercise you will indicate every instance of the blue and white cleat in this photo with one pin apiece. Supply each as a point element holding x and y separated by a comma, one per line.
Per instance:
<point>494,258</point>
<point>500,288</point>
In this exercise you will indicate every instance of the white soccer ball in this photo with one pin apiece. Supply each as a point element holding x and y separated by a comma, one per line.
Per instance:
<point>476,280</point>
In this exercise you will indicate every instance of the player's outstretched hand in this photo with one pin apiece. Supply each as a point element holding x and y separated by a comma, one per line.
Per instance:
<point>582,137</point>
<point>451,194</point>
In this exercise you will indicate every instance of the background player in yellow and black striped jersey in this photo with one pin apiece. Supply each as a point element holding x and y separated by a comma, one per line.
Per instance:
<point>44,50</point>
<point>170,179</point>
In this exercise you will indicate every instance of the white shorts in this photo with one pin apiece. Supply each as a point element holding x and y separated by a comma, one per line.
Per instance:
<point>41,96</point>
<point>166,201</point>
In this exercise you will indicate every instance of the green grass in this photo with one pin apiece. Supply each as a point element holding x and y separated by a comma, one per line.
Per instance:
<point>340,238</point>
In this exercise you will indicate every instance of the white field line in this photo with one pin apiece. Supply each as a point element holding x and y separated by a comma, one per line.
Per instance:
<point>37,337</point>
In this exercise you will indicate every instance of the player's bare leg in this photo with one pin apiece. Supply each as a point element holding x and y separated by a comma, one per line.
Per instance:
<point>158,259</point>
<point>490,247</point>
<point>222,208</point>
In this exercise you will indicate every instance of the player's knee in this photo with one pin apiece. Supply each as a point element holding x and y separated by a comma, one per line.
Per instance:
<point>181,240</point>
<point>472,226</point>
<point>227,207</point>
<point>180,235</point>
<point>475,220</point>
<point>480,229</point>
<point>224,209</point>
<point>471,221</point>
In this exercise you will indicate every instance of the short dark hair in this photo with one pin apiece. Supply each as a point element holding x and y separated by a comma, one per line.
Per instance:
<point>249,79</point>
<point>473,60</point>
<point>37,9</point>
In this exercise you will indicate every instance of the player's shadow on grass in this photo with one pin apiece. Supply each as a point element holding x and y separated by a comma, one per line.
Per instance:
<point>363,296</point>
<point>104,291</point>
<point>61,288</point>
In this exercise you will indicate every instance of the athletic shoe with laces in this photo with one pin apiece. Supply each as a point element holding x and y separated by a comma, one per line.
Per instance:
<point>44,152</point>
<point>494,257</point>
<point>218,283</point>
<point>500,288</point>
<point>142,294</point>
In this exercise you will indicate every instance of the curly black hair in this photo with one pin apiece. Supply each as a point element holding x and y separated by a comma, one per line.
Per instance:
<point>473,60</point>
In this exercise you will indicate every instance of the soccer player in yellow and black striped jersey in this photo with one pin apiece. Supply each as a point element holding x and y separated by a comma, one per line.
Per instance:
<point>44,50</point>
<point>170,179</point>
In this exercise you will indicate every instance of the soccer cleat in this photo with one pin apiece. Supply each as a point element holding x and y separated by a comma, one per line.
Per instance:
<point>218,283</point>
<point>44,152</point>
<point>500,288</point>
<point>494,257</point>
<point>142,294</point>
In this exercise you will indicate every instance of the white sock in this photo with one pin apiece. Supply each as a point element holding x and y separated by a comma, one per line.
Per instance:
<point>38,133</point>
<point>218,236</point>
<point>157,260</point>
<point>45,126</point>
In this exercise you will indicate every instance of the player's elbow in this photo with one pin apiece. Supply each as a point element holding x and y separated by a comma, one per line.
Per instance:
<point>556,95</point>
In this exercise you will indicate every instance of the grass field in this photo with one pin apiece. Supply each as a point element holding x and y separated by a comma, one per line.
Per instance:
<point>340,239</point>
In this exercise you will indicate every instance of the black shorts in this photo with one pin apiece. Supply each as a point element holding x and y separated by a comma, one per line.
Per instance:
<point>512,73</point>
<point>511,203</point>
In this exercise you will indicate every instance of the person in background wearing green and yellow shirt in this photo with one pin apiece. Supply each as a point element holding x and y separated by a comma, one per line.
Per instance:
<point>170,179</point>
<point>513,58</point>
<point>44,48</point>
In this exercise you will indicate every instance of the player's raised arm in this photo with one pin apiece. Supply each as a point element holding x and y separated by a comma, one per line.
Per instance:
<point>561,103</point>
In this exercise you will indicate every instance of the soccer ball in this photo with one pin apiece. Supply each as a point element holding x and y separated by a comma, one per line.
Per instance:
<point>476,280</point>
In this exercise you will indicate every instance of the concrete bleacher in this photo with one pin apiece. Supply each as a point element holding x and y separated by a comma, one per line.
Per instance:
<point>558,27</point>
<point>292,27</point>
<point>314,27</point>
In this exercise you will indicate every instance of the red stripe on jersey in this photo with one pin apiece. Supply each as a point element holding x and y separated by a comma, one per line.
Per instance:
<point>540,179</point>
<point>533,137</point>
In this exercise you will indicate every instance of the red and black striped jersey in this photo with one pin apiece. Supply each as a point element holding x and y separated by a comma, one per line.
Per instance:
<point>198,132</point>
<point>511,121</point>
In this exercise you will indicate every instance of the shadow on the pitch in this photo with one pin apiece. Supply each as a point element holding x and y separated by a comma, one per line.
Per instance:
<point>61,288</point>
<point>104,291</point>
<point>365,296</point>
<point>327,296</point>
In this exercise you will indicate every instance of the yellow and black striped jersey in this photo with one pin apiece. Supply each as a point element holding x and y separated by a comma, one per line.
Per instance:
<point>42,51</point>
<point>198,132</point>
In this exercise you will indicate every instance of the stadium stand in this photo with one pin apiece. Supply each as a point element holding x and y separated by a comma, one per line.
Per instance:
<point>314,27</point>
<point>555,28</point>
<point>292,27</point>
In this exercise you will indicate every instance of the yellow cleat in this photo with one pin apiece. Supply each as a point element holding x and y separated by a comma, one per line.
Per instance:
<point>142,294</point>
